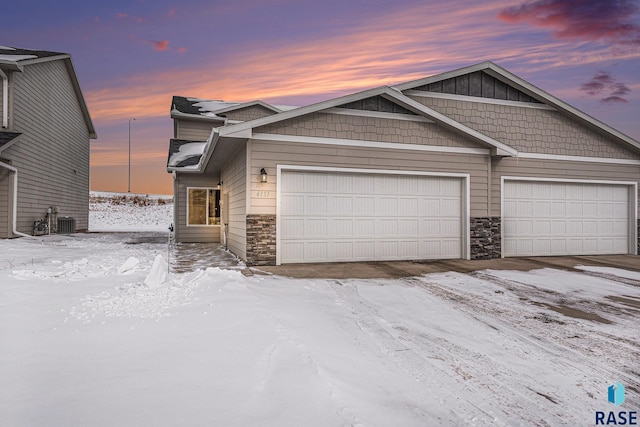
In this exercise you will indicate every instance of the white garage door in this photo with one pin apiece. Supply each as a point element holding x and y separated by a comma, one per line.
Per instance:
<point>336,216</point>
<point>556,218</point>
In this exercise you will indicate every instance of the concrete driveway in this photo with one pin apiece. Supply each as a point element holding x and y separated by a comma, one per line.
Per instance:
<point>400,269</point>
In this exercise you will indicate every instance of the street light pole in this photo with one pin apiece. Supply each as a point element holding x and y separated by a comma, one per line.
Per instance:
<point>129,179</point>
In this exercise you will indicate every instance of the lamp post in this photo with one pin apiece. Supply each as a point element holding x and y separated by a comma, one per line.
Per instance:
<point>129,176</point>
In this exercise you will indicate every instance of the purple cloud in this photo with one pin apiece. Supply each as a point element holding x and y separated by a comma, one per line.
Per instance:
<point>590,20</point>
<point>604,81</point>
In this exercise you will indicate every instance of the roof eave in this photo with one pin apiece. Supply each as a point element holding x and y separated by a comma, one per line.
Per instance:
<point>176,114</point>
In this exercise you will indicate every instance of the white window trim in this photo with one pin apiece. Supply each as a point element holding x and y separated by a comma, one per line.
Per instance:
<point>187,210</point>
<point>633,203</point>
<point>466,196</point>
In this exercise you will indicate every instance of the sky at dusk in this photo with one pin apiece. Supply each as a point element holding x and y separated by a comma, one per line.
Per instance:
<point>133,56</point>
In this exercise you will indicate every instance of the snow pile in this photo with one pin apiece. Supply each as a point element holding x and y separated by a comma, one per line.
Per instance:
<point>129,212</point>
<point>187,151</point>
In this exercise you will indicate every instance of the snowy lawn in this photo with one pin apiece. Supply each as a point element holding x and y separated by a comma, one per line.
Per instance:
<point>129,212</point>
<point>91,335</point>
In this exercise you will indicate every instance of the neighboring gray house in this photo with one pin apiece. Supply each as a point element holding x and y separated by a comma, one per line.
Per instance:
<point>474,163</point>
<point>44,141</point>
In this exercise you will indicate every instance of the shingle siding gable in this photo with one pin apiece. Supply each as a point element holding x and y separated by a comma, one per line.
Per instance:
<point>530,130</point>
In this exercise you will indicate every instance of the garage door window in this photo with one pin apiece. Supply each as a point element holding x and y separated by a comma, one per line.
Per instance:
<point>203,206</point>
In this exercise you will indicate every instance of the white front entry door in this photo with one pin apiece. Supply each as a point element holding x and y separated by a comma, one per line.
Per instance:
<point>339,216</point>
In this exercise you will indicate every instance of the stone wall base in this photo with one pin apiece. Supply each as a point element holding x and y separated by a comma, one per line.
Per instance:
<point>261,240</point>
<point>486,241</point>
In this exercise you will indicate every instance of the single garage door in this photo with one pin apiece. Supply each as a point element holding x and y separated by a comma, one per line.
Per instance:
<point>565,218</point>
<point>337,216</point>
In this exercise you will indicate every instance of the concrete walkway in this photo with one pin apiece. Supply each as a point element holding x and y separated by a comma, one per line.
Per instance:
<point>399,269</point>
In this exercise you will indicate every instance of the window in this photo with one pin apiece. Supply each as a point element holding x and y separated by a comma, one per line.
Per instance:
<point>203,206</point>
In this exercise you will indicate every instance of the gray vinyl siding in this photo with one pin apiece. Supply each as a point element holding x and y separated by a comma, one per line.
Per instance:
<point>530,130</point>
<point>1,103</point>
<point>192,233</point>
<point>557,169</point>
<point>193,130</point>
<point>5,193</point>
<point>269,154</point>
<point>234,179</point>
<point>52,156</point>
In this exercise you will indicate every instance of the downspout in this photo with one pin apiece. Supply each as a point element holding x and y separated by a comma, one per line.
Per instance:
<point>5,99</point>
<point>15,201</point>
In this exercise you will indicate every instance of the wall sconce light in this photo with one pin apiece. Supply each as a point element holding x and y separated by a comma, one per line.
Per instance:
<point>219,185</point>
<point>263,175</point>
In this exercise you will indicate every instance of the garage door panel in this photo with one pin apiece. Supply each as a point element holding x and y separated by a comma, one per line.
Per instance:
<point>361,216</point>
<point>556,218</point>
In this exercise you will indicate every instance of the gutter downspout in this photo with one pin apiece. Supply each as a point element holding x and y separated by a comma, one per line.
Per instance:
<point>15,201</point>
<point>5,99</point>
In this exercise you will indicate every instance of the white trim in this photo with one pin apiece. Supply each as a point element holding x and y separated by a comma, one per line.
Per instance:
<point>454,97</point>
<point>247,177</point>
<point>466,196</point>
<point>377,114</point>
<point>368,144</point>
<point>207,207</point>
<point>633,203</point>
<point>578,158</point>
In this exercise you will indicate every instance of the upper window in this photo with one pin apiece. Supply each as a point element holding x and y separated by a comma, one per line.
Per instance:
<point>203,206</point>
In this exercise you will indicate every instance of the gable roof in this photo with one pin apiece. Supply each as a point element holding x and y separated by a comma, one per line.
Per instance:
<point>15,59</point>
<point>214,110</point>
<point>529,89</point>
<point>391,94</point>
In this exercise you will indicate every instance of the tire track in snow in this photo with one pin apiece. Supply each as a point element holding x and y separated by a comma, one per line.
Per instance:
<point>424,363</point>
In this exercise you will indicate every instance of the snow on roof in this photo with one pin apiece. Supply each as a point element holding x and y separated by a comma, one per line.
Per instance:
<point>208,108</point>
<point>13,54</point>
<point>185,154</point>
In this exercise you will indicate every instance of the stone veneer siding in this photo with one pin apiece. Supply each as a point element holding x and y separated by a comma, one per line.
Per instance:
<point>486,241</point>
<point>261,240</point>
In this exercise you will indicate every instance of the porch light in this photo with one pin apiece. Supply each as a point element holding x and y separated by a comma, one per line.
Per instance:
<point>263,175</point>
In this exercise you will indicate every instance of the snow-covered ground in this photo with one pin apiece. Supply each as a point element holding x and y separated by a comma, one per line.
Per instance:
<point>129,212</point>
<point>93,331</point>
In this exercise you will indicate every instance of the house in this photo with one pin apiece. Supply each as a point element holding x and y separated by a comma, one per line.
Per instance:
<point>44,143</point>
<point>474,163</point>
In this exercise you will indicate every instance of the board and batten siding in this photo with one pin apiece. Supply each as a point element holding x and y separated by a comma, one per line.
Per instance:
<point>234,180</point>
<point>193,130</point>
<point>52,156</point>
<point>559,169</point>
<point>269,154</point>
<point>192,233</point>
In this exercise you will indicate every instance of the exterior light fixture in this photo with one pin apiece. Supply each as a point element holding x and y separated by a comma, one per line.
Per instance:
<point>263,175</point>
<point>219,185</point>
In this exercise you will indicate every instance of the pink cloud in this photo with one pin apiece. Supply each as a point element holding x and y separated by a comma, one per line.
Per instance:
<point>589,20</point>
<point>122,15</point>
<point>160,45</point>
<point>182,49</point>
<point>171,13</point>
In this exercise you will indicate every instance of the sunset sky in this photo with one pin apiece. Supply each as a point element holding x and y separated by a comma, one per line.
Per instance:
<point>132,56</point>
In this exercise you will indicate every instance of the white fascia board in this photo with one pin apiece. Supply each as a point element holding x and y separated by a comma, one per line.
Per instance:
<point>440,95</point>
<point>578,158</point>
<point>415,106</point>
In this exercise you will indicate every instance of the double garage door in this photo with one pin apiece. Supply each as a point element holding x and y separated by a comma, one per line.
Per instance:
<point>565,218</point>
<point>339,216</point>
